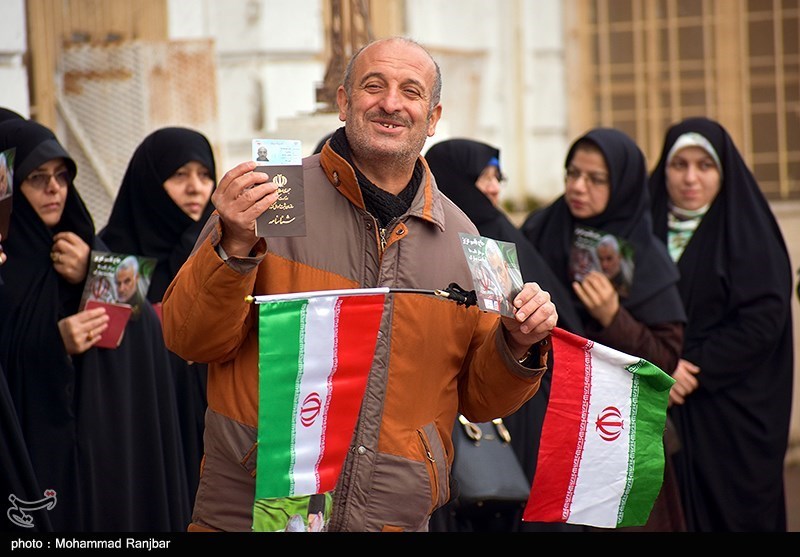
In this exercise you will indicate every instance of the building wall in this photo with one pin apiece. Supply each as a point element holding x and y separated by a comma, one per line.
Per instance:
<point>13,44</point>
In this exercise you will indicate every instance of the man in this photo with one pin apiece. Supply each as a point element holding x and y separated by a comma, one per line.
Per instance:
<point>374,218</point>
<point>613,265</point>
<point>127,279</point>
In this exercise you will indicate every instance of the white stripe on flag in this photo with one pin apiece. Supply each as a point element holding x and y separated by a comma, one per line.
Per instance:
<point>317,365</point>
<point>594,502</point>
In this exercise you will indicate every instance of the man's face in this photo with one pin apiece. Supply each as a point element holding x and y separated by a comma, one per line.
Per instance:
<point>126,284</point>
<point>388,113</point>
<point>609,260</point>
<point>500,270</point>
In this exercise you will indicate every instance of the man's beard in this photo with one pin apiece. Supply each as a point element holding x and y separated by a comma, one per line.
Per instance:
<point>362,146</point>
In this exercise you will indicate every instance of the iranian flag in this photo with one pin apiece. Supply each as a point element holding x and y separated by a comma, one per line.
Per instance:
<point>601,454</point>
<point>315,353</point>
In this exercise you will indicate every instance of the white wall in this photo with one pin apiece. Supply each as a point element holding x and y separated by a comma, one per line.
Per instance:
<point>270,59</point>
<point>503,83</point>
<point>13,41</point>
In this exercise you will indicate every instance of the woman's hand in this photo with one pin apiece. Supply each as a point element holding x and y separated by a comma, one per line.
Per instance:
<point>685,376</point>
<point>82,330</point>
<point>599,297</point>
<point>70,255</point>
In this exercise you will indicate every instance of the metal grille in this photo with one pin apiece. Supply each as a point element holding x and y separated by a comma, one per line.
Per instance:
<point>111,96</point>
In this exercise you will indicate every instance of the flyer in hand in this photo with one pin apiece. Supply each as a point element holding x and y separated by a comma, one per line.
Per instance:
<point>119,282</point>
<point>595,250</point>
<point>282,160</point>
<point>495,272</point>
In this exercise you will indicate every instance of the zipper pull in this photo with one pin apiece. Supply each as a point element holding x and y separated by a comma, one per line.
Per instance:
<point>383,239</point>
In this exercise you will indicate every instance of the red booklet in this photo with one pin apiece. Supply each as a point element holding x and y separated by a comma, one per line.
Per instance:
<point>119,314</point>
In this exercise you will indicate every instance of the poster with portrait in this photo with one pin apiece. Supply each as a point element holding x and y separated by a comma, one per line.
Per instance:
<point>118,278</point>
<point>6,188</point>
<point>595,250</point>
<point>495,272</point>
<point>118,282</point>
<point>282,160</point>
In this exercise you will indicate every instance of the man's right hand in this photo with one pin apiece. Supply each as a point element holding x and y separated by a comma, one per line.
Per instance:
<point>240,197</point>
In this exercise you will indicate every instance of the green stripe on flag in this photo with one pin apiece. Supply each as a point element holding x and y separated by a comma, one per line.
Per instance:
<point>650,391</point>
<point>281,330</point>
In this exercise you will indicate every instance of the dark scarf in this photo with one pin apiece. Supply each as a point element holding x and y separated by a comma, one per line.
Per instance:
<point>144,219</point>
<point>381,204</point>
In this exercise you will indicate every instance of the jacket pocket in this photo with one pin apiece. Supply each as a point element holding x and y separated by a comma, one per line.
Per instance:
<point>436,463</point>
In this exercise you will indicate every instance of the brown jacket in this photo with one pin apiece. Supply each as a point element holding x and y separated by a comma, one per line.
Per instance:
<point>434,358</point>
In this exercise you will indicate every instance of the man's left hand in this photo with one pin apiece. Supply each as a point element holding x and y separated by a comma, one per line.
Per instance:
<point>534,320</point>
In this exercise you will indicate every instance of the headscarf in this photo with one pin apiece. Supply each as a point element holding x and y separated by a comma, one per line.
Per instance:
<point>144,219</point>
<point>627,216</point>
<point>8,114</point>
<point>742,214</point>
<point>41,376</point>
<point>457,163</point>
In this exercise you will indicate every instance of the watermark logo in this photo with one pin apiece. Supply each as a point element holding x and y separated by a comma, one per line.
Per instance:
<point>17,511</point>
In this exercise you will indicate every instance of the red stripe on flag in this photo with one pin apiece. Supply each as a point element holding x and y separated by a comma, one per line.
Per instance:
<point>358,320</point>
<point>559,446</point>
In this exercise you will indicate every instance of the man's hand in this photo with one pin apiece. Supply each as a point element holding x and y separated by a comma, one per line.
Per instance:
<point>240,197</point>
<point>598,296</point>
<point>70,255</point>
<point>533,321</point>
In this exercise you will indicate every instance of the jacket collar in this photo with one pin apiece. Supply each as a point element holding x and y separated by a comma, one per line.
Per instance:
<point>427,204</point>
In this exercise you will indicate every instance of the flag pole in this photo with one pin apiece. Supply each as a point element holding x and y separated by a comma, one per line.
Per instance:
<point>452,292</point>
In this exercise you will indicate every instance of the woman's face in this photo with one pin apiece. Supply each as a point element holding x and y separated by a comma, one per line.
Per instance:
<point>693,179</point>
<point>587,187</point>
<point>190,188</point>
<point>46,188</point>
<point>490,184</point>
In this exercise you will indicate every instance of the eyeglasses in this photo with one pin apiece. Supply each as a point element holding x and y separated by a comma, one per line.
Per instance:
<point>40,180</point>
<point>572,175</point>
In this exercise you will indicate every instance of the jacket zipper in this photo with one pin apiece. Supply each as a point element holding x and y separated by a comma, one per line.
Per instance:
<point>382,232</point>
<point>434,472</point>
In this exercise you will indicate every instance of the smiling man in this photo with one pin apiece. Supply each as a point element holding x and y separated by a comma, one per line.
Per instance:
<point>375,217</point>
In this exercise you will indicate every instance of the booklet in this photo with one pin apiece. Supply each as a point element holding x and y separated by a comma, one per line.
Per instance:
<point>282,159</point>
<point>595,250</point>
<point>119,314</point>
<point>6,189</point>
<point>118,278</point>
<point>495,272</point>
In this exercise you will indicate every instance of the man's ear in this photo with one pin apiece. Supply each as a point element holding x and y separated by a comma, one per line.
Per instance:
<point>342,101</point>
<point>436,114</point>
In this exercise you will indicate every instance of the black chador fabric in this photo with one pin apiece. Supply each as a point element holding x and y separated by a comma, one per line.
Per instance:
<point>41,377</point>
<point>736,285</point>
<point>456,165</point>
<point>146,221</point>
<point>100,426</point>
